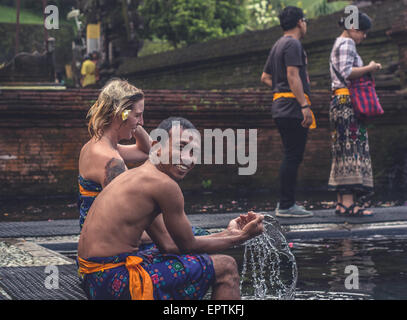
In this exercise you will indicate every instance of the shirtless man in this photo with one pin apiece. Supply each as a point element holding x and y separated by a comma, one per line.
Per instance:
<point>148,198</point>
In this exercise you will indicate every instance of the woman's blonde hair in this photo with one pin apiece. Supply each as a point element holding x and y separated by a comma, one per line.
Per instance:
<point>116,96</point>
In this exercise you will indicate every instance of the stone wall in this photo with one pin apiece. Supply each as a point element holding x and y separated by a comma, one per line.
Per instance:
<point>41,134</point>
<point>238,61</point>
<point>32,40</point>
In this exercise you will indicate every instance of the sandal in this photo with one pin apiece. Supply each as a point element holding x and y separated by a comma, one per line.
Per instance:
<point>338,212</point>
<point>360,212</point>
<point>350,211</point>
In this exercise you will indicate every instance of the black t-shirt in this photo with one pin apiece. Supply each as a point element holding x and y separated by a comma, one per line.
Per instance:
<point>287,51</point>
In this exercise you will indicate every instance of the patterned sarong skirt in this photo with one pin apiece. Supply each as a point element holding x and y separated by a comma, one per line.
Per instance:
<point>351,171</point>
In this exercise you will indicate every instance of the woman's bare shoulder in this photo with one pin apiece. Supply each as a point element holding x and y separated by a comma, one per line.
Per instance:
<point>94,158</point>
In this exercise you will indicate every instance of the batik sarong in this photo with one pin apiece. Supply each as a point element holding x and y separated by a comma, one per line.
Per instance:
<point>88,191</point>
<point>173,277</point>
<point>351,171</point>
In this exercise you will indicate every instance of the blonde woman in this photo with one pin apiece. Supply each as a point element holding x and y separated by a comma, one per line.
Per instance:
<point>116,115</point>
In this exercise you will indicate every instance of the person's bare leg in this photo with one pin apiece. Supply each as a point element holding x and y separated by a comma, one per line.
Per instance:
<point>338,207</point>
<point>227,283</point>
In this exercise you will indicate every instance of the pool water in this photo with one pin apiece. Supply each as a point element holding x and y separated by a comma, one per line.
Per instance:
<point>381,265</point>
<point>381,262</point>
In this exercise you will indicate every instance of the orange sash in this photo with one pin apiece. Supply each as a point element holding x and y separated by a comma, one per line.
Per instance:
<point>87,193</point>
<point>342,92</point>
<point>279,95</point>
<point>138,290</point>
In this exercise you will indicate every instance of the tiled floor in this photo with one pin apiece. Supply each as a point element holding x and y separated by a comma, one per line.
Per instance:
<point>28,253</point>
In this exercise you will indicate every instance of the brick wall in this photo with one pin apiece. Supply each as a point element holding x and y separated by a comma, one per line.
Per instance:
<point>41,134</point>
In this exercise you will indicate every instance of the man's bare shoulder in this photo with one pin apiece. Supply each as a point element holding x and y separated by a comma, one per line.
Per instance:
<point>169,185</point>
<point>159,184</point>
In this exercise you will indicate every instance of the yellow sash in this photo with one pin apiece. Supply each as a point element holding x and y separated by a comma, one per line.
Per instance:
<point>138,290</point>
<point>279,95</point>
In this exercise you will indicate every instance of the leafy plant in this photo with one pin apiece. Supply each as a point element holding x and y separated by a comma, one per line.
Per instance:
<point>207,184</point>
<point>191,21</point>
<point>263,13</point>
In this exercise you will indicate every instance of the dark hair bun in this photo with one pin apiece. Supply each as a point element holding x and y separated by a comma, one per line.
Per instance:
<point>365,22</point>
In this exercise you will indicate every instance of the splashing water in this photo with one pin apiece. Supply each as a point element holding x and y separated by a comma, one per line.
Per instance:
<point>269,267</point>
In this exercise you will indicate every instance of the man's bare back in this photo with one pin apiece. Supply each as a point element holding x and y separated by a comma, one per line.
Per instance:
<point>118,216</point>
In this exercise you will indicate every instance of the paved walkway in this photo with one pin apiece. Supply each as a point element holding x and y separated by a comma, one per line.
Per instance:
<point>391,215</point>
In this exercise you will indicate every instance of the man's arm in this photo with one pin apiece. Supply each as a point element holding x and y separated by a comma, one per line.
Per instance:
<point>295,83</point>
<point>160,236</point>
<point>296,87</point>
<point>171,202</point>
<point>267,79</point>
<point>138,152</point>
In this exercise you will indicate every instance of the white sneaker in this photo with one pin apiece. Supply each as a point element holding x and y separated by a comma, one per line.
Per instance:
<point>293,212</point>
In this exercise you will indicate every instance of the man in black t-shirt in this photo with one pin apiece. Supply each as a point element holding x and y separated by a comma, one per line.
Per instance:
<point>286,73</point>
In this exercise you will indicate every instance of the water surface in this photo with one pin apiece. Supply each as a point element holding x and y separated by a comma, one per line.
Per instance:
<point>321,263</point>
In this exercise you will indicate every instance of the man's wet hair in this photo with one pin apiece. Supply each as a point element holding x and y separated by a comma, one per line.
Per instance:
<point>168,124</point>
<point>289,17</point>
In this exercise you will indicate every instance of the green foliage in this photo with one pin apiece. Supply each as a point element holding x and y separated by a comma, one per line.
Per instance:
<point>232,15</point>
<point>207,184</point>
<point>8,15</point>
<point>32,11</point>
<point>322,7</point>
<point>263,14</point>
<point>154,46</point>
<point>191,21</point>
